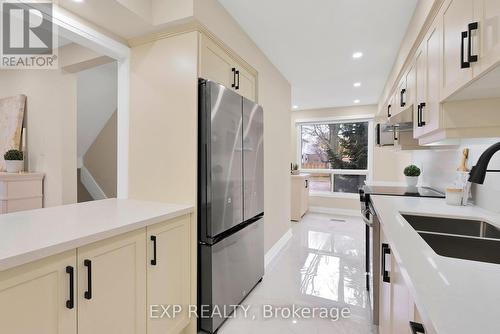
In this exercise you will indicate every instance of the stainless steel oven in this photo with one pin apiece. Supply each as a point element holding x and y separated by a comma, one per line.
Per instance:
<point>372,240</point>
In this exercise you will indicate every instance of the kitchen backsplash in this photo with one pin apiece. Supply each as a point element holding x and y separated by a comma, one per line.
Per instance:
<point>439,170</point>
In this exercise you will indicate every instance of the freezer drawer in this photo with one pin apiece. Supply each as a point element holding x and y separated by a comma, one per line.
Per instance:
<point>229,270</point>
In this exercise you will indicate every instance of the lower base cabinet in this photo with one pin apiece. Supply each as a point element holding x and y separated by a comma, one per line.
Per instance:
<point>397,310</point>
<point>111,285</point>
<point>105,287</point>
<point>33,297</point>
<point>168,274</point>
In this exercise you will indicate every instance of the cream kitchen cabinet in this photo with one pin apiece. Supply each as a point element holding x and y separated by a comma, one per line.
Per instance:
<point>112,285</point>
<point>216,64</point>
<point>168,273</point>
<point>385,291</point>
<point>397,309</point>
<point>89,268</point>
<point>222,66</point>
<point>427,71</point>
<point>457,17</point>
<point>487,14</point>
<point>300,196</point>
<point>39,298</point>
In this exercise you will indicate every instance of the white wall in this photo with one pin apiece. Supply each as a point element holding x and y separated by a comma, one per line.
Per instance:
<point>96,102</point>
<point>275,97</point>
<point>51,124</point>
<point>439,170</point>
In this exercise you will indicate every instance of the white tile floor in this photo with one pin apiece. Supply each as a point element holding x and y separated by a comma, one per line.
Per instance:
<point>322,266</point>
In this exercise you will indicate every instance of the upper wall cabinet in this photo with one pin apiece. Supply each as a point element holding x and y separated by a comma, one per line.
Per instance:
<point>222,66</point>
<point>452,80</point>
<point>458,53</point>
<point>471,50</point>
<point>487,13</point>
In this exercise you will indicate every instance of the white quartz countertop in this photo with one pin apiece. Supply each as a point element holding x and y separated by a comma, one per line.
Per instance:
<point>454,295</point>
<point>31,235</point>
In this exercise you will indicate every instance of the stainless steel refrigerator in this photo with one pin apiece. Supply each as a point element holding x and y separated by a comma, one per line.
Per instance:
<point>230,200</point>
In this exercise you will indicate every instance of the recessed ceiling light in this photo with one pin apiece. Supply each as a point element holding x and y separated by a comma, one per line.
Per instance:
<point>295,107</point>
<point>356,101</point>
<point>78,0</point>
<point>357,55</point>
<point>357,84</point>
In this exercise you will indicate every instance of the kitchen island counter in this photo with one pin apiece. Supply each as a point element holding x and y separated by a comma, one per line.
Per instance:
<point>28,236</point>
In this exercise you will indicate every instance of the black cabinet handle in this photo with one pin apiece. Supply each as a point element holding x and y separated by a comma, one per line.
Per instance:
<point>419,124</point>
<point>463,63</point>
<point>422,106</point>
<point>70,303</point>
<point>416,328</point>
<point>233,85</point>
<point>385,274</point>
<point>402,102</point>
<point>238,79</point>
<point>389,110</point>
<point>472,58</point>
<point>395,134</point>
<point>153,261</point>
<point>306,183</point>
<point>88,293</point>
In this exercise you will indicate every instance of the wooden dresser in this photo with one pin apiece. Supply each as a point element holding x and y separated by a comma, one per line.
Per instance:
<point>300,196</point>
<point>18,192</point>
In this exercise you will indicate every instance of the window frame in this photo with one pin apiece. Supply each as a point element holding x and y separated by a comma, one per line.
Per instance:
<point>336,120</point>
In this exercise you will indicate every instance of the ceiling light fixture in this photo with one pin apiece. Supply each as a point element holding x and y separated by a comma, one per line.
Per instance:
<point>357,101</point>
<point>357,55</point>
<point>295,107</point>
<point>357,84</point>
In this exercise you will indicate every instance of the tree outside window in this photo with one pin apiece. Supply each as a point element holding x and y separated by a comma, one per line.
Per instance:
<point>334,148</point>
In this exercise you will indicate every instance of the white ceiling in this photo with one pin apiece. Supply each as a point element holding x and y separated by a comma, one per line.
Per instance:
<point>312,41</point>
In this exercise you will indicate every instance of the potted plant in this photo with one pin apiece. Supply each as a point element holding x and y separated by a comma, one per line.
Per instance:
<point>412,173</point>
<point>14,161</point>
<point>295,169</point>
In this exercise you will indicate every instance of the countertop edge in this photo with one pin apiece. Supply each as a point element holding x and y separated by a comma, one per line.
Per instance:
<point>41,253</point>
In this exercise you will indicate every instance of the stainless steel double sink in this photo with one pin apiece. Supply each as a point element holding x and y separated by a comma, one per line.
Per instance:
<point>458,238</point>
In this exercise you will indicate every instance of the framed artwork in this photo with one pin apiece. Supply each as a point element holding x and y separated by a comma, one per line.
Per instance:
<point>11,124</point>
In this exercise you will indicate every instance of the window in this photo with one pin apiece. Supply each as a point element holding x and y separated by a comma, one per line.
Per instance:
<point>335,154</point>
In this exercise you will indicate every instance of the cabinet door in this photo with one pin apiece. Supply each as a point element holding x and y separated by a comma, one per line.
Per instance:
<point>385,292</point>
<point>409,96</point>
<point>420,87</point>
<point>305,197</point>
<point>401,310</point>
<point>488,15</point>
<point>216,64</point>
<point>456,17</point>
<point>33,297</point>
<point>431,111</point>
<point>168,273</point>
<point>112,285</point>
<point>246,84</point>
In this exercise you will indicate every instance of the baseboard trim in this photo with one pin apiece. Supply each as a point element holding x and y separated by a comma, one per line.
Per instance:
<point>277,247</point>
<point>92,186</point>
<point>335,211</point>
